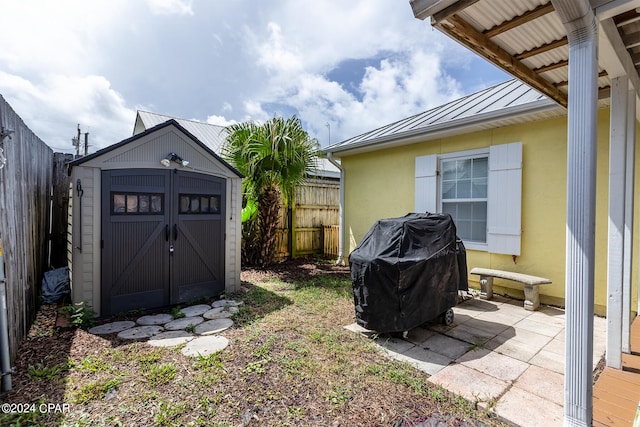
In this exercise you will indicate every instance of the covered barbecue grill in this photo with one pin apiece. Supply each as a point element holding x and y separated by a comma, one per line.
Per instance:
<point>407,271</point>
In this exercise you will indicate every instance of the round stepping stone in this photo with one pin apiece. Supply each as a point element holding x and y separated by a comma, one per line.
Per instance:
<point>154,319</point>
<point>213,326</point>
<point>170,338</point>
<point>226,303</point>
<point>112,328</point>
<point>195,310</point>
<point>217,313</point>
<point>204,346</point>
<point>183,322</point>
<point>140,332</point>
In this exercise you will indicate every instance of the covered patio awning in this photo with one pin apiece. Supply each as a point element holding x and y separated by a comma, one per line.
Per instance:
<point>528,39</point>
<point>584,55</point>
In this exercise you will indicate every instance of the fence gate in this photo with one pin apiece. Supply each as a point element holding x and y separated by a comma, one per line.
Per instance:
<point>162,238</point>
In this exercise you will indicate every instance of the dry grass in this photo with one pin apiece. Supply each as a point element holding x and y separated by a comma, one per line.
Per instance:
<point>290,362</point>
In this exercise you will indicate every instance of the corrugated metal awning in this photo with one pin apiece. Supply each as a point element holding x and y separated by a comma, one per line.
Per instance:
<point>527,39</point>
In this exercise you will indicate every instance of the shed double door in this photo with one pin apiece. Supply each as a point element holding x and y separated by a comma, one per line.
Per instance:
<point>162,238</point>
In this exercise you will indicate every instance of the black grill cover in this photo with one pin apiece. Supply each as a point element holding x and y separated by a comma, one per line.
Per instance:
<point>407,271</point>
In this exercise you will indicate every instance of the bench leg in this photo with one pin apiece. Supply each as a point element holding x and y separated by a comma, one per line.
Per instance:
<point>486,287</point>
<point>531,297</point>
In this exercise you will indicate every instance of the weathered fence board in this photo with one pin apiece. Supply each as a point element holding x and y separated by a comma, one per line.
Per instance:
<point>25,188</point>
<point>59,210</point>
<point>316,205</point>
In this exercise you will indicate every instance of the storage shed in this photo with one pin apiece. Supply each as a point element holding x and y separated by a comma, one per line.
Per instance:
<point>154,221</point>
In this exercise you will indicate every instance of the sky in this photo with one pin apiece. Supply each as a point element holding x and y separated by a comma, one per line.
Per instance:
<point>342,67</point>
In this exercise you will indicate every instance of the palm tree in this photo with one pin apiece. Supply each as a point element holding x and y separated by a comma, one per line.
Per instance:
<point>274,157</point>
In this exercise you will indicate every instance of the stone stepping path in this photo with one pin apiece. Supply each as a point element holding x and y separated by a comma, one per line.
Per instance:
<point>213,326</point>
<point>112,328</point>
<point>226,303</point>
<point>204,346</point>
<point>154,319</point>
<point>162,330</point>
<point>170,338</point>
<point>183,323</point>
<point>217,313</point>
<point>195,310</point>
<point>140,332</point>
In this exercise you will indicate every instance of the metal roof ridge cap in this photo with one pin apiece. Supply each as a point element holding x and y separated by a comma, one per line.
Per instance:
<point>541,105</point>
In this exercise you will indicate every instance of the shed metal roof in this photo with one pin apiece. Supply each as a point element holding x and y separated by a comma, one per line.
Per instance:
<point>504,104</point>
<point>167,123</point>
<point>213,136</point>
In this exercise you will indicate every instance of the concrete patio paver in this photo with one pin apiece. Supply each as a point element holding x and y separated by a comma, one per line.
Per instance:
<point>446,346</point>
<point>419,335</point>
<point>526,409</point>
<point>424,360</point>
<point>543,383</point>
<point>474,385</point>
<point>538,327</point>
<point>550,360</point>
<point>510,346</point>
<point>508,359</point>
<point>497,365</point>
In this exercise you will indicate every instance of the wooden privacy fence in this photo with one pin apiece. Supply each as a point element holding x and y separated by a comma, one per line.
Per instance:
<point>317,204</point>
<point>25,190</point>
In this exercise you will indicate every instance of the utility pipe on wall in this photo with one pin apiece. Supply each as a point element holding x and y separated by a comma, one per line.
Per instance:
<point>340,260</point>
<point>5,359</point>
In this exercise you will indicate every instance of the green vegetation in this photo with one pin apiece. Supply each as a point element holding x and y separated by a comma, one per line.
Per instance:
<point>81,315</point>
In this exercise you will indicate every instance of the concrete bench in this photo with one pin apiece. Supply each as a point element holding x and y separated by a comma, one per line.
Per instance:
<point>531,283</point>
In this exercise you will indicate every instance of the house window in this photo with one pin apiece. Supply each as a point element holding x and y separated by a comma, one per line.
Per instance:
<point>464,195</point>
<point>136,204</point>
<point>481,189</point>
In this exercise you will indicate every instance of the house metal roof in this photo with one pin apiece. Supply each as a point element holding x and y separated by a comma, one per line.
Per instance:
<point>504,104</point>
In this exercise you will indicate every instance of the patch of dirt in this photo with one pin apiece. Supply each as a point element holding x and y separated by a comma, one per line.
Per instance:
<point>298,269</point>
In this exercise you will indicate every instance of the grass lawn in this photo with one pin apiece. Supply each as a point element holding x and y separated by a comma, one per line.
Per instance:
<point>290,362</point>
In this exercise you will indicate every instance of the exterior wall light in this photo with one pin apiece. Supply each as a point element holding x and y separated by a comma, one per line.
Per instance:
<point>173,157</point>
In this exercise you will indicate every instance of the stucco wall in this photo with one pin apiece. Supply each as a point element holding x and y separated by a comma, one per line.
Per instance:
<point>381,185</point>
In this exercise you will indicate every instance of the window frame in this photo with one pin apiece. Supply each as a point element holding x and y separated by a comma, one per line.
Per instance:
<point>464,155</point>
<point>504,193</point>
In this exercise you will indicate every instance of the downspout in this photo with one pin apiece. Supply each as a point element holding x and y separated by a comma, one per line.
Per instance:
<point>582,32</point>
<point>340,260</point>
<point>5,362</point>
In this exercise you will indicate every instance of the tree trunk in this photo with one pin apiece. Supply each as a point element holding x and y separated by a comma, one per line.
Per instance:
<point>268,213</point>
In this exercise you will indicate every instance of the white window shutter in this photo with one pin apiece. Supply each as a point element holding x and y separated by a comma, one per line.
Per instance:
<point>426,183</point>
<point>504,210</point>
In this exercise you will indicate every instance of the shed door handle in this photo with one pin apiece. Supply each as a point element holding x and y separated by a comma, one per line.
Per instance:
<point>166,232</point>
<point>175,231</point>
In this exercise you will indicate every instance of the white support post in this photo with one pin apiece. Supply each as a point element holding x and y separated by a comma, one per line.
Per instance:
<point>615,252</point>
<point>628,221</point>
<point>582,32</point>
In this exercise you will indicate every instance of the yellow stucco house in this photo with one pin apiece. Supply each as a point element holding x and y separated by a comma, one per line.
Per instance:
<point>496,161</point>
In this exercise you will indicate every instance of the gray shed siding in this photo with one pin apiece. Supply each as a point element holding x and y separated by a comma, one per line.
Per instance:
<point>142,152</point>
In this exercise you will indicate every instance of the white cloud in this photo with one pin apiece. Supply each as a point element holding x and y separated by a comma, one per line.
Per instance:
<point>220,121</point>
<point>170,7</point>
<point>94,62</point>
<point>62,102</point>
